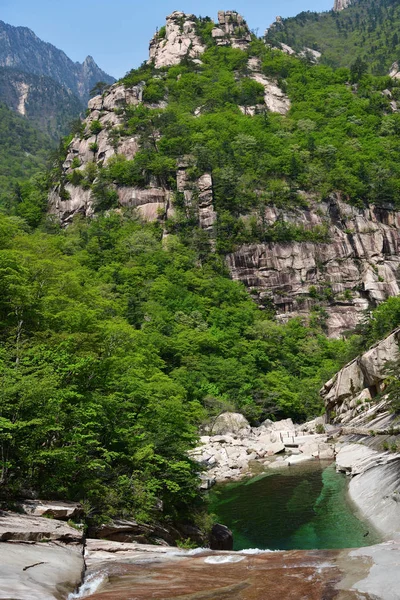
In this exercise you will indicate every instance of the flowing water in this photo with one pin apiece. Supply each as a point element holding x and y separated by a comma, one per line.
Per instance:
<point>305,507</point>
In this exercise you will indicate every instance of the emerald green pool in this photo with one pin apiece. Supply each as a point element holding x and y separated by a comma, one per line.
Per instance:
<point>303,507</point>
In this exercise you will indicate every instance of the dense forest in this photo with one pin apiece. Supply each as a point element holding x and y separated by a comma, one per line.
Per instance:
<point>367,30</point>
<point>120,337</point>
<point>341,135</point>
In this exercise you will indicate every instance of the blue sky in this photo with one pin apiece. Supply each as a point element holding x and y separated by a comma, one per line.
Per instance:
<point>117,32</point>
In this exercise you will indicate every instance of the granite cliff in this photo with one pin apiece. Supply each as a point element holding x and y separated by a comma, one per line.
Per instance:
<point>354,262</point>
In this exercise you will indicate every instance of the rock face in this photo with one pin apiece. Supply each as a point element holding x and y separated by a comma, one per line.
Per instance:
<point>275,100</point>
<point>353,264</point>
<point>231,30</point>
<point>375,484</point>
<point>349,395</point>
<point>21,49</point>
<point>40,559</point>
<point>356,267</point>
<point>179,40</point>
<point>341,5</point>
<point>53,510</point>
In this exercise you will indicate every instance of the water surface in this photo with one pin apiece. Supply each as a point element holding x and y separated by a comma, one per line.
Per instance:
<point>302,507</point>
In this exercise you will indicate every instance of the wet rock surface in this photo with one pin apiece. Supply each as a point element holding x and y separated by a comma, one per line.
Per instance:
<point>368,573</point>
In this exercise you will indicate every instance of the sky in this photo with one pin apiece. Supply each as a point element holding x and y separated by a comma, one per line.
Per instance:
<point>117,32</point>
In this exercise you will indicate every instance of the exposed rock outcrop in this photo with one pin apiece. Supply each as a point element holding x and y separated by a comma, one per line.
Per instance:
<point>374,486</point>
<point>275,99</point>
<point>356,267</point>
<point>179,39</point>
<point>231,30</point>
<point>349,395</point>
<point>27,528</point>
<point>62,511</point>
<point>341,5</point>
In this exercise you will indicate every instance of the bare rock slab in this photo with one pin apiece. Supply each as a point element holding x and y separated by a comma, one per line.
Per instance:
<point>39,571</point>
<point>26,528</point>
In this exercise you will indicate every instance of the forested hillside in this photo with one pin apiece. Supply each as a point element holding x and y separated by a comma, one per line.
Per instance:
<point>47,105</point>
<point>368,30</point>
<point>24,153</point>
<point>122,333</point>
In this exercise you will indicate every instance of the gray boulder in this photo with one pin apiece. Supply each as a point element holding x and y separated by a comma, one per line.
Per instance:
<point>230,423</point>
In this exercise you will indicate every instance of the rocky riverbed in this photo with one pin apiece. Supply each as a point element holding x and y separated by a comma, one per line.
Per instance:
<point>232,449</point>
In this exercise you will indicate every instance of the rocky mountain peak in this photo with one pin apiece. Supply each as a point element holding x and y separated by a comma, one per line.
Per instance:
<point>181,37</point>
<point>178,38</point>
<point>21,49</point>
<point>341,4</point>
<point>232,30</point>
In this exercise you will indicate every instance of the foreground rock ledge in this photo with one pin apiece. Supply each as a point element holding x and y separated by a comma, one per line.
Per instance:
<point>368,573</point>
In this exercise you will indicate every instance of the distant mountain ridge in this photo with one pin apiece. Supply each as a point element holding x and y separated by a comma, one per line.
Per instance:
<point>45,103</point>
<point>364,29</point>
<point>21,49</point>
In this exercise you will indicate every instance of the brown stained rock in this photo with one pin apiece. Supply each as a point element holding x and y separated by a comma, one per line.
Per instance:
<point>280,575</point>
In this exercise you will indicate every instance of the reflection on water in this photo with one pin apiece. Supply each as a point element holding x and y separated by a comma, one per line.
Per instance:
<point>303,507</point>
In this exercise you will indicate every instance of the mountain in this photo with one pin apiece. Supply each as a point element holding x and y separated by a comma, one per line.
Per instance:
<point>216,224</point>
<point>46,104</point>
<point>21,49</point>
<point>286,169</point>
<point>366,29</point>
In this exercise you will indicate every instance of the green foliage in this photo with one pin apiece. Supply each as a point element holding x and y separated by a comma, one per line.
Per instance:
<point>113,348</point>
<point>380,322</point>
<point>365,31</point>
<point>23,153</point>
<point>336,138</point>
<point>95,127</point>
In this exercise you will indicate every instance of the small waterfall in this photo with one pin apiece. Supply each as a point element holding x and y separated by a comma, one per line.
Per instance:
<point>89,586</point>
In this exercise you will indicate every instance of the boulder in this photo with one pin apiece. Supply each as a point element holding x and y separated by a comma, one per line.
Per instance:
<point>296,459</point>
<point>230,423</point>
<point>129,531</point>
<point>55,510</point>
<point>221,538</point>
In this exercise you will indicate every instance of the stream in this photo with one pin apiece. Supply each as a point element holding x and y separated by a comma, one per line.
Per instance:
<point>300,508</point>
<point>303,509</point>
